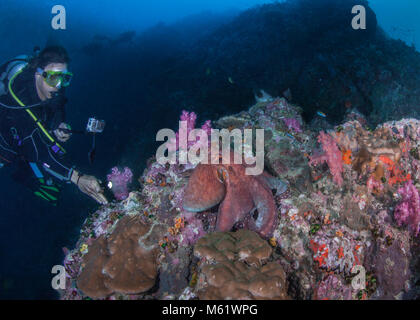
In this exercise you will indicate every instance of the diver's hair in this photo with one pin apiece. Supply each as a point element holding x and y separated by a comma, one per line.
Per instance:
<point>52,54</point>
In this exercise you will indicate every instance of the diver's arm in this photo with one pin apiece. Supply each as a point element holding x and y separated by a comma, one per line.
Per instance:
<point>89,185</point>
<point>52,162</point>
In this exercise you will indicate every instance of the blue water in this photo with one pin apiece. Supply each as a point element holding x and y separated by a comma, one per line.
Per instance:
<point>109,85</point>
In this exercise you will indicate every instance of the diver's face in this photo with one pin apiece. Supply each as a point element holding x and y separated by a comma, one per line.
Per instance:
<point>44,90</point>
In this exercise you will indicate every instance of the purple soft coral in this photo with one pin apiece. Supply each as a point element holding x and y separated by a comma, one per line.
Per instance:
<point>190,118</point>
<point>408,210</point>
<point>119,181</point>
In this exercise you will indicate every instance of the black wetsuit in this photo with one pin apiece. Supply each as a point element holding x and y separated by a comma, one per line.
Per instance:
<point>24,147</point>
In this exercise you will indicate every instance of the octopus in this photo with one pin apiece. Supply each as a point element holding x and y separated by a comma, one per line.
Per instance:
<point>243,198</point>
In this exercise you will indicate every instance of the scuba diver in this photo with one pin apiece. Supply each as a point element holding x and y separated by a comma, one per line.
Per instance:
<point>33,127</point>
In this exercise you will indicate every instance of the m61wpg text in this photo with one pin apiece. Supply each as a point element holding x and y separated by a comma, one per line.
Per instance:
<point>221,309</point>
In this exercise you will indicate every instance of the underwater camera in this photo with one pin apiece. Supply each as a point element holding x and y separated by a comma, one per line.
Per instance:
<point>95,126</point>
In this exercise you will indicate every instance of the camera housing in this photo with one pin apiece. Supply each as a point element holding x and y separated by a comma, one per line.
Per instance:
<point>95,126</point>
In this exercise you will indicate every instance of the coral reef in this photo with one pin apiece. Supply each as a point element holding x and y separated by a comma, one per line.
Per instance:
<point>292,124</point>
<point>331,204</point>
<point>390,264</point>
<point>333,288</point>
<point>408,210</point>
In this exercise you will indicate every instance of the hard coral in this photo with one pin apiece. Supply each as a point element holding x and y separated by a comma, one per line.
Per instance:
<point>367,147</point>
<point>338,248</point>
<point>123,263</point>
<point>234,266</point>
<point>376,150</point>
<point>91,281</point>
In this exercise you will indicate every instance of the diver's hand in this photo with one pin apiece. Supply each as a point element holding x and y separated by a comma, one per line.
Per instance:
<point>89,185</point>
<point>61,135</point>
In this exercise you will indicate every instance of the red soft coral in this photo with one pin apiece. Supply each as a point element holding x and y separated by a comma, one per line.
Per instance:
<point>332,155</point>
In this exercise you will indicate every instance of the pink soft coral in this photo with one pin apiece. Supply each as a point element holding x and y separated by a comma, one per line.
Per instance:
<point>190,118</point>
<point>408,210</point>
<point>119,181</point>
<point>332,155</point>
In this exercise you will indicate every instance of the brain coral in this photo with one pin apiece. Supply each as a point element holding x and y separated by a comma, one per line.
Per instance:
<point>235,265</point>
